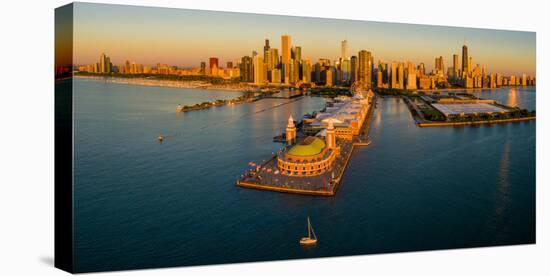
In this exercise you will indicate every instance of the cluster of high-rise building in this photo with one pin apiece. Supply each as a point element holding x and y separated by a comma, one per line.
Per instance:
<point>214,69</point>
<point>290,68</point>
<point>405,75</point>
<point>469,76</point>
<point>287,66</point>
<point>103,66</point>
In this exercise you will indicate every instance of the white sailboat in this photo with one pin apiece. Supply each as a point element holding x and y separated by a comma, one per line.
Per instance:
<point>311,238</point>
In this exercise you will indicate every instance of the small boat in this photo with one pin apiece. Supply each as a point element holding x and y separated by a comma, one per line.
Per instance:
<point>160,138</point>
<point>309,240</point>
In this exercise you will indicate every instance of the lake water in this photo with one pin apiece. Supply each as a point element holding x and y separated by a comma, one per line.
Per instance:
<point>141,204</point>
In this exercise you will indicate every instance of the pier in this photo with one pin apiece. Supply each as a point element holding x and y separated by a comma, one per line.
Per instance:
<point>266,176</point>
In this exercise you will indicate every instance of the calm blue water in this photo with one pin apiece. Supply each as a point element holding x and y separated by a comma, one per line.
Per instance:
<point>140,204</point>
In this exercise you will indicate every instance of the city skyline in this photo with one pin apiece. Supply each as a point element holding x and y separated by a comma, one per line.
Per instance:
<point>164,37</point>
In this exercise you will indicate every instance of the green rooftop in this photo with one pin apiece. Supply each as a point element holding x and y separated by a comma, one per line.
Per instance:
<point>309,146</point>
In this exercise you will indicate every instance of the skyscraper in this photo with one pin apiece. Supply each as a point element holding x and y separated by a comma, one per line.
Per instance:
<point>365,69</point>
<point>274,56</point>
<point>298,53</point>
<point>268,63</point>
<point>345,67</point>
<point>214,66</point>
<point>393,74</point>
<point>203,67</point>
<point>465,60</point>
<point>109,65</point>
<point>439,68</point>
<point>379,79</point>
<point>354,69</point>
<point>294,71</point>
<point>259,70</point>
<point>306,71</point>
<point>344,50</point>
<point>328,77</point>
<point>276,75</point>
<point>104,64</point>
<point>401,75</point>
<point>213,62</point>
<point>285,48</point>
<point>383,68</point>
<point>421,69</point>
<point>492,81</point>
<point>411,81</point>
<point>455,66</point>
<point>411,76</point>
<point>247,73</point>
<point>316,75</point>
<point>266,50</point>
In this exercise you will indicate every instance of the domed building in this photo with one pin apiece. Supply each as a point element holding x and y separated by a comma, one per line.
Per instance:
<point>309,156</point>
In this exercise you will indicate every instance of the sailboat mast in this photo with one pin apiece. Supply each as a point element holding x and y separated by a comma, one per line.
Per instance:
<point>308,228</point>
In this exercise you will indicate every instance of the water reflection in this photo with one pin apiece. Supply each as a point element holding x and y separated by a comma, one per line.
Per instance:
<point>502,199</point>
<point>512,97</point>
<point>503,182</point>
<point>378,114</point>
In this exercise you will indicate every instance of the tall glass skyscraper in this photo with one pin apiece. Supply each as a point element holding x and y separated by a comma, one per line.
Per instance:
<point>464,59</point>
<point>365,69</point>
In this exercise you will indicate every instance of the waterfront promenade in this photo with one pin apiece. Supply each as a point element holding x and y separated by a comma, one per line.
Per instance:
<point>325,184</point>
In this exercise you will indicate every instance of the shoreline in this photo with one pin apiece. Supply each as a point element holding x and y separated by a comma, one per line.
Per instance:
<point>167,83</point>
<point>448,124</point>
<point>471,89</point>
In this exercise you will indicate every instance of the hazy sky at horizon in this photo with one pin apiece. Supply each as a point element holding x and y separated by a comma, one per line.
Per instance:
<point>186,37</point>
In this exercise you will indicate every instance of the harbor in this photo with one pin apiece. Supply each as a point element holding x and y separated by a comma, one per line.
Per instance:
<point>271,175</point>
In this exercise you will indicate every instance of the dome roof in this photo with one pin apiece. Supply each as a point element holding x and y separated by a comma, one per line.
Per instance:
<point>309,146</point>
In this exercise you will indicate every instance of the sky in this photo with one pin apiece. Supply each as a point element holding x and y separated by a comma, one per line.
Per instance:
<point>186,37</point>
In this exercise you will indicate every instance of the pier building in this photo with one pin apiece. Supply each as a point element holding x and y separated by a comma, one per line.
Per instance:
<point>346,113</point>
<point>310,156</point>
<point>317,153</point>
